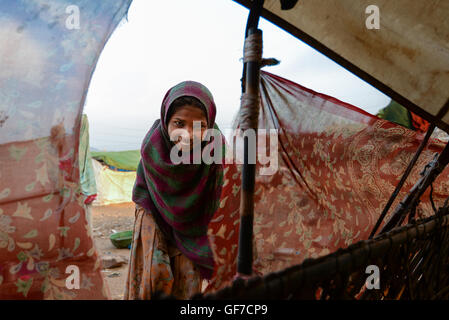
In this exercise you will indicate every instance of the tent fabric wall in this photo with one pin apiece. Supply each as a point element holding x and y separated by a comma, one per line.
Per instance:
<point>338,166</point>
<point>396,113</point>
<point>112,186</point>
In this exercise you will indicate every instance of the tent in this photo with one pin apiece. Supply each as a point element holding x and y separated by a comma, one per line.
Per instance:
<point>416,75</point>
<point>406,58</point>
<point>338,166</point>
<point>115,174</point>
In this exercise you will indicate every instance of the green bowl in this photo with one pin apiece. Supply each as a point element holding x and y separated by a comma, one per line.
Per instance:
<point>122,240</point>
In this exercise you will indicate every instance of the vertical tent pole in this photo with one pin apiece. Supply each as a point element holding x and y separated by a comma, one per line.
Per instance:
<point>249,114</point>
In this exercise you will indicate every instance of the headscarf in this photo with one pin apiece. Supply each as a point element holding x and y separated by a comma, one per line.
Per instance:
<point>181,197</point>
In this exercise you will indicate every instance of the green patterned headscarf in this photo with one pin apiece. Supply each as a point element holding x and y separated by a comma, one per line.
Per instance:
<point>182,197</point>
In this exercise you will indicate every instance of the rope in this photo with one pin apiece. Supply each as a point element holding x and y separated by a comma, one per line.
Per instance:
<point>249,111</point>
<point>253,48</point>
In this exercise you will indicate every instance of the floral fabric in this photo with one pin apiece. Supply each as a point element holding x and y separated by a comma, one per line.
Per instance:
<point>47,60</point>
<point>338,166</point>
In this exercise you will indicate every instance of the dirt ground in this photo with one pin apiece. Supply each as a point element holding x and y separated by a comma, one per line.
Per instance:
<point>107,220</point>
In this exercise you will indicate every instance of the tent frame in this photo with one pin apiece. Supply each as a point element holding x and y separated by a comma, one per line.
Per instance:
<point>250,86</point>
<point>403,179</point>
<point>317,45</point>
<point>250,79</point>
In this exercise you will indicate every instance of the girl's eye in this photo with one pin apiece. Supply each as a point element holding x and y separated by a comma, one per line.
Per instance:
<point>203,125</point>
<point>178,123</point>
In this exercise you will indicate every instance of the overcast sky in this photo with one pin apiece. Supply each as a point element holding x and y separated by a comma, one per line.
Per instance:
<point>166,42</point>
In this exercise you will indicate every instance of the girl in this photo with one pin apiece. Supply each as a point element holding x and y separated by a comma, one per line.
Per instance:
<point>174,202</point>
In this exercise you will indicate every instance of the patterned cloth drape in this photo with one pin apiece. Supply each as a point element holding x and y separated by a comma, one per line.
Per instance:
<point>48,51</point>
<point>338,166</point>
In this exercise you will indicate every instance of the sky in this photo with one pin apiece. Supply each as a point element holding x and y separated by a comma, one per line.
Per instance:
<point>165,42</point>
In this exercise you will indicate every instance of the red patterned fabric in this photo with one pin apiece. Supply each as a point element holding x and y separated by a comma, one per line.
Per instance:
<point>43,225</point>
<point>338,166</point>
<point>419,123</point>
<point>46,231</point>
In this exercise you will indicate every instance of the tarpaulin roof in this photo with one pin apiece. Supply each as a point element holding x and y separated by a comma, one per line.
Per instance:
<point>126,160</point>
<point>407,58</point>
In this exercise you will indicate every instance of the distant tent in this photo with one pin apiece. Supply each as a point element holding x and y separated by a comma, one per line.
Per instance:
<point>115,173</point>
<point>124,160</point>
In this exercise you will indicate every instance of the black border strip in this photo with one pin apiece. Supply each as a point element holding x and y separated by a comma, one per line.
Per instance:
<point>351,67</point>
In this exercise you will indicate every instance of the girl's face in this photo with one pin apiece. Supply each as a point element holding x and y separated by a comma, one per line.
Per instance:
<point>183,118</point>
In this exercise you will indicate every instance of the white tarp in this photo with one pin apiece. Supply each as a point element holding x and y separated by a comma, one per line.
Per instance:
<point>112,186</point>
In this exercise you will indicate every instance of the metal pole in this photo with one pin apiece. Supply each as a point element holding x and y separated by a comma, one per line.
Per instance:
<point>251,23</point>
<point>245,251</point>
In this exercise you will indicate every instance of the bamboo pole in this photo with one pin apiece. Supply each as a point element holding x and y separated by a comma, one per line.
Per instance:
<point>250,88</point>
<point>251,103</point>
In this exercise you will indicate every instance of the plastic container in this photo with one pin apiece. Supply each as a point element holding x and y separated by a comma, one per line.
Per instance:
<point>122,240</point>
